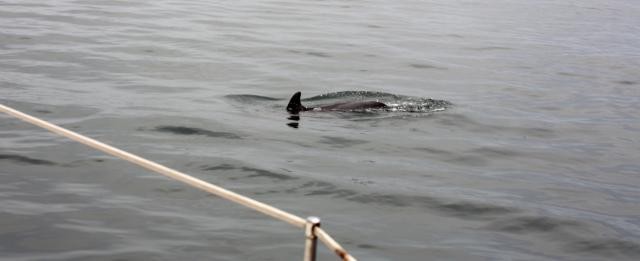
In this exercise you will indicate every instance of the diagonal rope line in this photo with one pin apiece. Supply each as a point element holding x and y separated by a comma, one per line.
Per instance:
<point>182,177</point>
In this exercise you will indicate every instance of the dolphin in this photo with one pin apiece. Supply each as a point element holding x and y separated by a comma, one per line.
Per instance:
<point>295,106</point>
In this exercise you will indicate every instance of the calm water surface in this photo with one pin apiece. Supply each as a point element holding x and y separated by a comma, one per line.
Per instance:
<point>537,158</point>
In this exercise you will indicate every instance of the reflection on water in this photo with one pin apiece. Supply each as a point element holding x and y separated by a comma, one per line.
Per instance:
<point>294,121</point>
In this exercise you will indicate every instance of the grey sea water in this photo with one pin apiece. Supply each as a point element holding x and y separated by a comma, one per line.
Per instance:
<point>536,158</point>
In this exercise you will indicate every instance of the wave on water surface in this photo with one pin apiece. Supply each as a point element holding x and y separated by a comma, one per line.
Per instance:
<point>248,98</point>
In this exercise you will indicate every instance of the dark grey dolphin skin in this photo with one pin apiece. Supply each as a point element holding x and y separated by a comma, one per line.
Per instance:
<point>295,106</point>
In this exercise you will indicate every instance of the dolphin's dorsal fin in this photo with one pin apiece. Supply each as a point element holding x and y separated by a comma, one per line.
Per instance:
<point>295,105</point>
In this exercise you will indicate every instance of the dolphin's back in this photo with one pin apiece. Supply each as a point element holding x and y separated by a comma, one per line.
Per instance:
<point>347,106</point>
<point>295,106</point>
